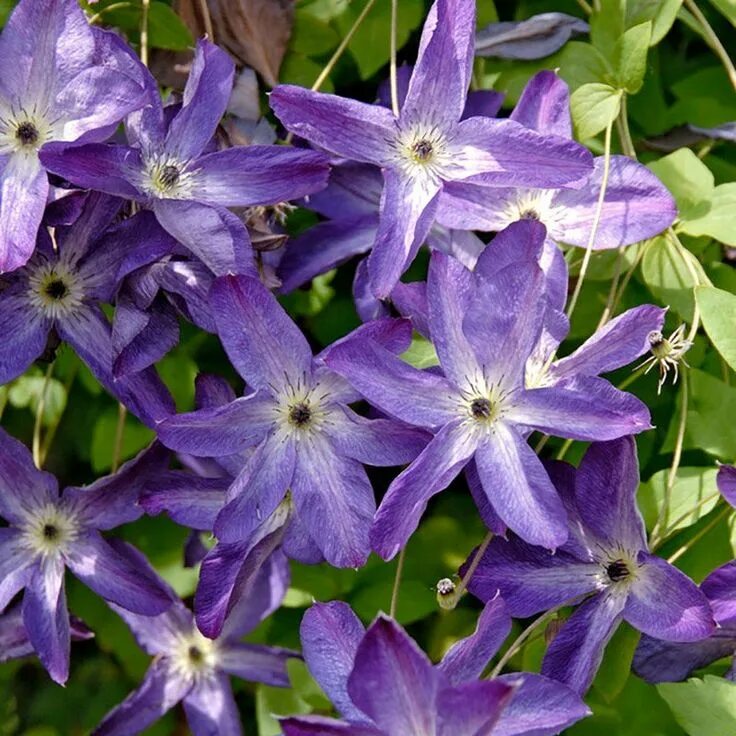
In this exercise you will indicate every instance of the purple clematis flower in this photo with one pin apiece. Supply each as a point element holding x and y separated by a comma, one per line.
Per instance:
<point>170,168</point>
<point>194,670</point>
<point>48,532</point>
<point>62,81</point>
<point>384,685</point>
<point>636,204</point>
<point>605,560</point>
<point>484,332</point>
<point>428,145</point>
<point>297,418</point>
<point>59,293</point>
<point>663,661</point>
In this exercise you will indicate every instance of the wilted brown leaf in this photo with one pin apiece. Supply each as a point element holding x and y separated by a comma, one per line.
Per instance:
<point>255,32</point>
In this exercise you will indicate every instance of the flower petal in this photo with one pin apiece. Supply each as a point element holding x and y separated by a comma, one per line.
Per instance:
<point>720,589</point>
<point>544,105</point>
<point>211,709</point>
<point>15,564</point>
<point>321,726</point>
<point>25,332</point>
<point>472,708</point>
<point>256,663</point>
<point>726,481</point>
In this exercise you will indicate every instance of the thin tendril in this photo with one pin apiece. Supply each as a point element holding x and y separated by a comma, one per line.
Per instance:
<point>145,6</point>
<point>705,530</point>
<point>118,445</point>
<point>397,583</point>
<point>463,584</point>
<point>713,41</point>
<point>207,18</point>
<point>40,408</point>
<point>394,82</point>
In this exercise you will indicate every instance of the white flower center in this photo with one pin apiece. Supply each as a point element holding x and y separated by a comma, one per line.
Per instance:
<point>167,178</point>
<point>484,402</point>
<point>55,289</point>
<point>24,131</point>
<point>49,530</point>
<point>533,204</point>
<point>422,151</point>
<point>194,656</point>
<point>302,408</point>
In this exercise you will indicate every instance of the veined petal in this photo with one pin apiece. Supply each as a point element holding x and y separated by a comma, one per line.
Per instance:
<point>330,634</point>
<point>636,206</point>
<point>519,488</point>
<point>665,603</point>
<point>472,708</point>
<point>255,175</point>
<point>392,681</point>
<point>220,430</point>
<point>211,709</point>
<point>15,565</point>
<point>621,341</point>
<point>466,659</point>
<point>24,187</point>
<point>407,496</point>
<point>417,397</point>
<point>212,233</point>
<point>463,205</point>
<point>25,332</point>
<point>114,577</point>
<point>334,500</point>
<point>321,726</point>
<point>584,408</point>
<point>439,82</point>
<point>720,589</point>
<point>343,126</point>
<point>257,663</point>
<point>46,618</point>
<point>187,499</point>
<point>544,105</point>
<point>503,153</point>
<point>263,343</point>
<point>159,692</point>
<point>576,652</point>
<point>407,212</point>
<point>530,578</point>
<point>205,98</point>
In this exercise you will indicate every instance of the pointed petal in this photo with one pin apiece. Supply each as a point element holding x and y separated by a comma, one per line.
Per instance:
<point>665,603</point>
<point>473,708</point>
<point>544,105</point>
<point>334,500</point>
<point>502,153</point>
<point>211,709</point>
<point>205,98</point>
<point>419,398</point>
<point>620,342</point>
<point>320,726</point>
<point>576,652</point>
<point>343,126</point>
<point>24,187</point>
<point>330,634</point>
<point>393,682</point>
<point>258,490</point>
<point>584,408</point>
<point>408,208</point>
<point>439,83</point>
<point>407,496</point>
<point>212,233</point>
<point>261,340</point>
<point>726,481</point>
<point>220,430</point>
<point>463,205</point>
<point>720,589</point>
<point>519,488</point>
<point>46,618</point>
<point>467,658</point>
<point>637,206</point>
<point>114,577</point>
<point>159,692</point>
<point>15,565</point>
<point>257,663</point>
<point>531,579</point>
<point>255,175</point>
<point>411,302</point>
<point>25,332</point>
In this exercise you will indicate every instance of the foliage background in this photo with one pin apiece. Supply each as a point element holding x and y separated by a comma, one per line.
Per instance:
<point>682,82</point>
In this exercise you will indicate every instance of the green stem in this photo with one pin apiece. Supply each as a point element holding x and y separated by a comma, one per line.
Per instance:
<point>463,584</point>
<point>40,408</point>
<point>705,530</point>
<point>207,19</point>
<point>622,122</point>
<point>397,583</point>
<point>713,41</point>
<point>115,6</point>
<point>117,448</point>
<point>655,543</point>
<point>145,7</point>
<point>394,82</point>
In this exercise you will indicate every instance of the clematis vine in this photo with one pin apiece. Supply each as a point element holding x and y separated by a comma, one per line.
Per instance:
<point>49,531</point>
<point>605,565</point>
<point>427,144</point>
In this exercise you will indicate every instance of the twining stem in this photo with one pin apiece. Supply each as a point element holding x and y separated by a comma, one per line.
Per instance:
<point>585,7</point>
<point>654,543</point>
<point>145,7</point>
<point>596,220</point>
<point>705,530</point>
<point>40,408</point>
<point>117,447</point>
<point>115,6</point>
<point>713,41</point>
<point>340,50</point>
<point>463,584</point>
<point>397,583</point>
<point>622,124</point>
<point>207,18</point>
<point>676,457</point>
<point>51,430</point>
<point>394,82</point>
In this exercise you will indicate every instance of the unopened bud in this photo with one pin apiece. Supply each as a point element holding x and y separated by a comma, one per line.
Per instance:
<point>446,594</point>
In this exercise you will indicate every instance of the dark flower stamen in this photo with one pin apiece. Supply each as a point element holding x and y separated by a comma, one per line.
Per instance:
<point>27,133</point>
<point>50,532</point>
<point>422,150</point>
<point>169,176</point>
<point>617,571</point>
<point>530,214</point>
<point>481,408</point>
<point>300,414</point>
<point>56,289</point>
<point>195,654</point>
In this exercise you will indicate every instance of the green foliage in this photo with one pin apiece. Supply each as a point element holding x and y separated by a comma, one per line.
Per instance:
<point>704,707</point>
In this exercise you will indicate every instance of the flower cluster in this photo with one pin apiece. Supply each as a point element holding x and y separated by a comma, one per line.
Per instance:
<point>109,239</point>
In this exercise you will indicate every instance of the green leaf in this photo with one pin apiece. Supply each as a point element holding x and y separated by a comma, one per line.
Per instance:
<point>668,268</point>
<point>594,106</point>
<point>714,217</point>
<point>631,57</point>
<point>686,176</point>
<point>727,7</point>
<point>135,438</point>
<point>276,701</point>
<point>303,71</point>
<point>662,13</point>
<point>694,494</point>
<point>704,707</point>
<point>310,36</point>
<point>580,63</point>
<point>607,26</point>
<point>25,392</point>
<point>166,30</point>
<point>305,685</point>
<point>421,353</point>
<point>616,665</point>
<point>718,313</point>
